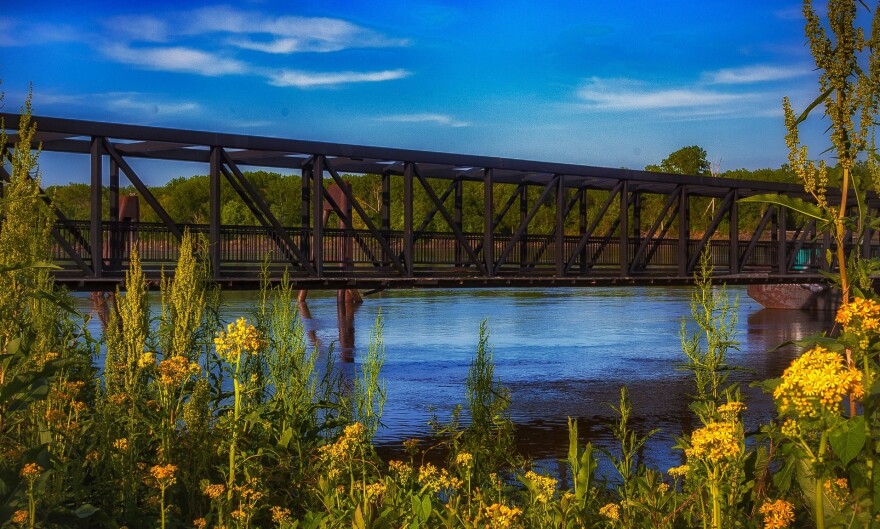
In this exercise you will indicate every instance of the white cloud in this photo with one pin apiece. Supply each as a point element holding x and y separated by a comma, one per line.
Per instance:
<point>628,95</point>
<point>20,33</point>
<point>754,74</point>
<point>285,34</point>
<point>176,59</point>
<point>143,104</point>
<point>301,79</point>
<point>436,119</point>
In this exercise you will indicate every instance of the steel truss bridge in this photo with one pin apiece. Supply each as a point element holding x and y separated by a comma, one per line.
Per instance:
<point>364,252</point>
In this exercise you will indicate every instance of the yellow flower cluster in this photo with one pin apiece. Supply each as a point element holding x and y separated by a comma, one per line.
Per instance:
<point>175,370</point>
<point>352,435</point>
<point>860,316</point>
<point>434,479</point>
<point>372,491</point>
<point>280,515</point>
<point>731,410</point>
<point>147,360</point>
<point>715,442</point>
<point>610,511</point>
<point>816,383</point>
<point>400,468</point>
<point>679,471</point>
<point>200,523</point>
<point>545,486</point>
<point>240,337</point>
<point>777,514</point>
<point>464,459</point>
<point>30,471</point>
<point>213,490</point>
<point>164,474</point>
<point>501,516</point>
<point>21,517</point>
<point>121,444</point>
<point>791,428</point>
<point>837,489</point>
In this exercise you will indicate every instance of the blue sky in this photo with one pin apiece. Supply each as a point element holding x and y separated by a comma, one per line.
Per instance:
<point>618,84</point>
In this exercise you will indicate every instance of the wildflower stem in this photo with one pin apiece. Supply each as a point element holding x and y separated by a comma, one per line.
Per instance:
<point>820,483</point>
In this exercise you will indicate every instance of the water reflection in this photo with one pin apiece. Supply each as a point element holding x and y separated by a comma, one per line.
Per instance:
<point>562,352</point>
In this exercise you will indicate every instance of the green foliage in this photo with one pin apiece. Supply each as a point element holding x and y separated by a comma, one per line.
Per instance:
<point>689,160</point>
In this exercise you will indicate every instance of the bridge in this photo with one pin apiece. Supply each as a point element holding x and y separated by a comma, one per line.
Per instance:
<point>618,243</point>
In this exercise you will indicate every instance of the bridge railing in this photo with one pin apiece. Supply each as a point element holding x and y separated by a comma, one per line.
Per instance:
<point>354,253</point>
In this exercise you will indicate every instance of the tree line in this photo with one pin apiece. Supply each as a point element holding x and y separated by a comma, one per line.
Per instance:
<point>186,200</point>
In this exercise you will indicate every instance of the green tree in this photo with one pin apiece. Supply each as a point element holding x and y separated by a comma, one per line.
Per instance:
<point>687,160</point>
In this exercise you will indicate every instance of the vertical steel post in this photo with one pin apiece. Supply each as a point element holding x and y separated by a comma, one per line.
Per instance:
<point>489,221</point>
<point>305,206</point>
<point>457,217</point>
<point>318,215</point>
<point>782,252</point>
<point>684,231</point>
<point>582,225</point>
<point>624,228</point>
<point>560,226</point>
<point>214,254</point>
<point>408,233</point>
<point>523,218</point>
<point>386,203</point>
<point>115,234</point>
<point>733,232</point>
<point>97,230</point>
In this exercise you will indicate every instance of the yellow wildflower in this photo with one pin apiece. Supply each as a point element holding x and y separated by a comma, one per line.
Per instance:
<point>860,316</point>
<point>240,337</point>
<point>400,468</point>
<point>213,490</point>
<point>816,382</point>
<point>374,491</point>
<point>610,511</point>
<point>176,370</point>
<point>777,514</point>
<point>545,486</point>
<point>21,517</point>
<point>791,428</point>
<point>434,479</point>
<point>501,516</point>
<point>464,459</point>
<point>30,471</point>
<point>717,441</point>
<point>280,516</point>
<point>147,360</point>
<point>731,410</point>
<point>200,523</point>
<point>121,444</point>
<point>239,515</point>
<point>837,489</point>
<point>663,487</point>
<point>164,474</point>
<point>679,471</point>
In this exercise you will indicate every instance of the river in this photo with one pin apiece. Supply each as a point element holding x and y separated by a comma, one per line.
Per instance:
<point>562,352</point>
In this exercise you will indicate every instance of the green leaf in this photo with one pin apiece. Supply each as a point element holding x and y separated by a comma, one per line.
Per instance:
<point>822,97</point>
<point>797,204</point>
<point>284,442</point>
<point>848,438</point>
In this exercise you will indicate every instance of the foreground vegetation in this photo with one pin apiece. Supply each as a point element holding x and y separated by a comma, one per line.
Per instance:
<point>177,419</point>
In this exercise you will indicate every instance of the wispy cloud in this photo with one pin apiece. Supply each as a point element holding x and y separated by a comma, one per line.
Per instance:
<point>286,34</point>
<point>628,95</point>
<point>129,102</point>
<point>176,59</point>
<point>435,119</point>
<point>302,79</point>
<point>20,33</point>
<point>754,74</point>
<point>145,28</point>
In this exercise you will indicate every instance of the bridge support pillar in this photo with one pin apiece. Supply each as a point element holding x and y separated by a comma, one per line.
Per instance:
<point>96,226</point>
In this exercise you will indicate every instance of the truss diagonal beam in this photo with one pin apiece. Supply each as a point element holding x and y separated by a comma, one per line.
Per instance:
<point>142,189</point>
<point>284,242</point>
<point>364,217</point>
<point>585,238</point>
<point>713,226</point>
<point>525,223</point>
<point>459,236</point>
<point>649,238</point>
